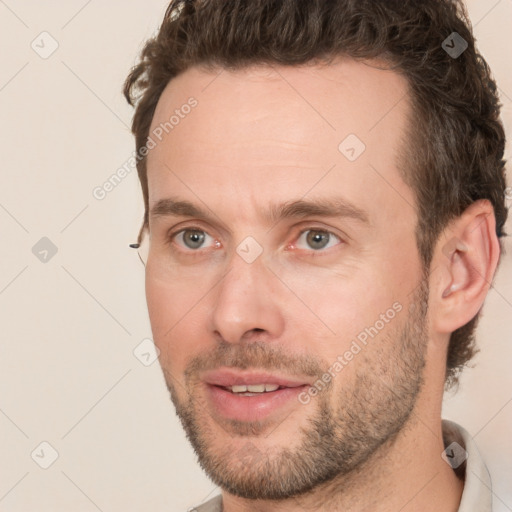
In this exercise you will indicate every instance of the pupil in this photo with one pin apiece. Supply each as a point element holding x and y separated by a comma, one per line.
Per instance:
<point>317,239</point>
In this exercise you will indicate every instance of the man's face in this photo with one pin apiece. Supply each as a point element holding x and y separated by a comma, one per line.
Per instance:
<point>266,288</point>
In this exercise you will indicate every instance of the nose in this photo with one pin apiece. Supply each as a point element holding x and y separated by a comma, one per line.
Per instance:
<point>246,304</point>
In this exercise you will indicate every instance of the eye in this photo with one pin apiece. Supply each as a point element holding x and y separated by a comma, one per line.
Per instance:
<point>192,238</point>
<point>195,239</point>
<point>317,239</point>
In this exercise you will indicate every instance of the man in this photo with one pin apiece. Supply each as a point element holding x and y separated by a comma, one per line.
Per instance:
<point>324,190</point>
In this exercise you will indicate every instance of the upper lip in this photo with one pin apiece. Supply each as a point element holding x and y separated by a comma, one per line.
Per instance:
<point>230,377</point>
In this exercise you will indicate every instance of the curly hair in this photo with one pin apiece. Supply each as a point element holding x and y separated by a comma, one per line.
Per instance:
<point>454,155</point>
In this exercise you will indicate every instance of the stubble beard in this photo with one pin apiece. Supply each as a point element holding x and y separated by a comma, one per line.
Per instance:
<point>336,441</point>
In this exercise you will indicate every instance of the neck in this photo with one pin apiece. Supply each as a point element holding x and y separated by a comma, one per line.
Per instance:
<point>406,474</point>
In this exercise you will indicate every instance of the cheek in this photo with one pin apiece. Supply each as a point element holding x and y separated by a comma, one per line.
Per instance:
<point>171,313</point>
<point>158,298</point>
<point>171,298</point>
<point>361,306</point>
<point>343,300</point>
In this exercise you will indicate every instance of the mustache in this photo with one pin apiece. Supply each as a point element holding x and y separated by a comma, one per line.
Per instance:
<point>256,354</point>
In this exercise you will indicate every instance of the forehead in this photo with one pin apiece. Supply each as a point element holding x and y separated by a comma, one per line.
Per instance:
<point>280,130</point>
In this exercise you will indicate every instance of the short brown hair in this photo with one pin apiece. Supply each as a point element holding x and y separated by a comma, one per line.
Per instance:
<point>455,151</point>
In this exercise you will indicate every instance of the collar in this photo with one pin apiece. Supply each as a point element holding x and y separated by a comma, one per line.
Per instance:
<point>477,493</point>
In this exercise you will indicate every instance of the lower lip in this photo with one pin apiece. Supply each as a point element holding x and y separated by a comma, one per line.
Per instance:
<point>251,408</point>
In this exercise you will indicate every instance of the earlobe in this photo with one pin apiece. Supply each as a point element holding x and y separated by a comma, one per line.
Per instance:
<point>467,263</point>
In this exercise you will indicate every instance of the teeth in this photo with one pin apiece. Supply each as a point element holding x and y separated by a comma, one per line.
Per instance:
<point>253,388</point>
<point>256,388</point>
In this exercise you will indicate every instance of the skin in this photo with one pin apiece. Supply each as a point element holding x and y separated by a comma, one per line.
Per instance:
<point>268,135</point>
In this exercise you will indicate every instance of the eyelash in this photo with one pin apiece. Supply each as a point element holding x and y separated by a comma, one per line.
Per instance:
<point>199,252</point>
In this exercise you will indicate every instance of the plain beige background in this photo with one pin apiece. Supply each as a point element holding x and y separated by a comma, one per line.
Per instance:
<point>68,373</point>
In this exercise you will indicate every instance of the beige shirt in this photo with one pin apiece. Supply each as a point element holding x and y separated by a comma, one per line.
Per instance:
<point>477,494</point>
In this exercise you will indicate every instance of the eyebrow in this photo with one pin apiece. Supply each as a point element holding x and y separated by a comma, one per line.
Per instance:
<point>327,207</point>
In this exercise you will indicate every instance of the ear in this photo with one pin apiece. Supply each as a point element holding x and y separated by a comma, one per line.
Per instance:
<point>464,263</point>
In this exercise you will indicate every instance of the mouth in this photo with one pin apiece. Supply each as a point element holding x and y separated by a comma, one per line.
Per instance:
<point>252,389</point>
<point>251,396</point>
